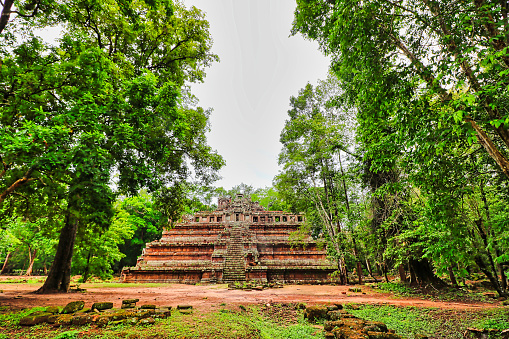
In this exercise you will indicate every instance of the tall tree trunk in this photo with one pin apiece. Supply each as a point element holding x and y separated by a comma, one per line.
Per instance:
<point>413,277</point>
<point>503,278</point>
<point>454,282</point>
<point>424,274</point>
<point>402,273</point>
<point>384,270</point>
<point>59,276</point>
<point>4,267</point>
<point>491,277</point>
<point>31,261</point>
<point>370,271</point>
<point>87,267</point>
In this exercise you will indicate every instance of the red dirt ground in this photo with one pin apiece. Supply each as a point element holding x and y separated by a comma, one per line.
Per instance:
<point>206,297</point>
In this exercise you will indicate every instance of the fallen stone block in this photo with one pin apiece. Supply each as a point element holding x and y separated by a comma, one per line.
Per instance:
<point>73,307</point>
<point>102,306</point>
<point>313,313</point>
<point>184,307</point>
<point>148,306</point>
<point>34,319</point>
<point>53,309</point>
<point>129,303</point>
<point>82,319</point>
<point>63,319</point>
<point>147,321</point>
<point>375,326</point>
<point>339,314</point>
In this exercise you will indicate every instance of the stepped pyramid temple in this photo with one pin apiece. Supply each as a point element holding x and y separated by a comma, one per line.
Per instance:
<point>240,241</point>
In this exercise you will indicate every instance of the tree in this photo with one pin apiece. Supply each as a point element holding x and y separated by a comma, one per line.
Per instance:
<point>145,222</point>
<point>105,100</point>
<point>428,42</point>
<point>428,83</point>
<point>317,140</point>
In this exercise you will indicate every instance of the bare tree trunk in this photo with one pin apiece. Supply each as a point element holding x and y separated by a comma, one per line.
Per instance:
<point>384,270</point>
<point>59,276</point>
<point>413,278</point>
<point>87,268</point>
<point>370,271</point>
<point>424,274</point>
<point>31,261</point>
<point>402,273</point>
<point>454,282</point>
<point>4,267</point>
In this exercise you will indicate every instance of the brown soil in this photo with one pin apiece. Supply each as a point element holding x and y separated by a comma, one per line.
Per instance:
<point>207,297</point>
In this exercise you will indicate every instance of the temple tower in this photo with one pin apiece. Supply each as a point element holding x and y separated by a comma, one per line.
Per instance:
<point>240,241</point>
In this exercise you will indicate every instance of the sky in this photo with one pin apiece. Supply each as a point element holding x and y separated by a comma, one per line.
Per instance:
<point>249,90</point>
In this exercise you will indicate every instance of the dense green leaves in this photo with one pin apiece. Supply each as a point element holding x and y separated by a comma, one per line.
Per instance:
<point>100,111</point>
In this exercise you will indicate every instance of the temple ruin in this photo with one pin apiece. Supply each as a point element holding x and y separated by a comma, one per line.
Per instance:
<point>240,241</point>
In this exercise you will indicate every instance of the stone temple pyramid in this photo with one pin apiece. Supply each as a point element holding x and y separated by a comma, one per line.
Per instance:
<point>240,241</point>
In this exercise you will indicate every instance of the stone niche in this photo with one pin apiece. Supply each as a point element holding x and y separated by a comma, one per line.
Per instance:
<point>240,241</point>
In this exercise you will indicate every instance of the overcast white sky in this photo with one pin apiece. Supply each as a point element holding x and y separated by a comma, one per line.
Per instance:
<point>249,90</point>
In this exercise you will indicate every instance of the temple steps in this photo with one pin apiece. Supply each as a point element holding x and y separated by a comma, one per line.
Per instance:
<point>234,264</point>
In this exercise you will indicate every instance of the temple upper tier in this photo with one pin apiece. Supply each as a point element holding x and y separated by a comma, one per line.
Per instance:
<point>238,241</point>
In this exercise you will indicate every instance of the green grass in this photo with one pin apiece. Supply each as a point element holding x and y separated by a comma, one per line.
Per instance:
<point>444,294</point>
<point>433,322</point>
<point>225,323</point>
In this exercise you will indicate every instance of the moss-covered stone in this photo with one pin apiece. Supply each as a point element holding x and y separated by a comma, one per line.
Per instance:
<point>34,319</point>
<point>184,307</point>
<point>313,313</point>
<point>124,306</point>
<point>148,306</point>
<point>53,309</point>
<point>375,326</point>
<point>63,319</point>
<point>82,319</point>
<point>130,301</point>
<point>147,321</point>
<point>102,306</point>
<point>73,307</point>
<point>186,311</point>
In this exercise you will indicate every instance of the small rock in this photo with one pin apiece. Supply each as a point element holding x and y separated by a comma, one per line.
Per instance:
<point>148,307</point>
<point>73,306</point>
<point>184,307</point>
<point>53,309</point>
<point>147,321</point>
<point>32,320</point>
<point>130,301</point>
<point>128,306</point>
<point>81,319</point>
<point>313,313</point>
<point>63,319</point>
<point>186,311</point>
<point>102,306</point>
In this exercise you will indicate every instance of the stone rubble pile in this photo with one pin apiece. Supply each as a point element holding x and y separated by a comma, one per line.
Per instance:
<point>102,313</point>
<point>340,324</point>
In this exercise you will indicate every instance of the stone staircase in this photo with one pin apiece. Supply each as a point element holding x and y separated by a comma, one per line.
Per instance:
<point>234,268</point>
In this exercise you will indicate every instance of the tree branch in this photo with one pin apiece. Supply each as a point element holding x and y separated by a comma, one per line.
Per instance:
<point>26,178</point>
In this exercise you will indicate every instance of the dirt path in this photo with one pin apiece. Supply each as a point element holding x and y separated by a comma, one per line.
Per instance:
<point>207,297</point>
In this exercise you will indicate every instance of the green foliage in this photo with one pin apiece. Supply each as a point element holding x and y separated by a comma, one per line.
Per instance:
<point>139,217</point>
<point>67,335</point>
<point>13,318</point>
<point>429,93</point>
<point>105,103</point>
<point>436,323</point>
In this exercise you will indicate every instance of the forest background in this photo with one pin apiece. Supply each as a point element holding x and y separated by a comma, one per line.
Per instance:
<point>398,158</point>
